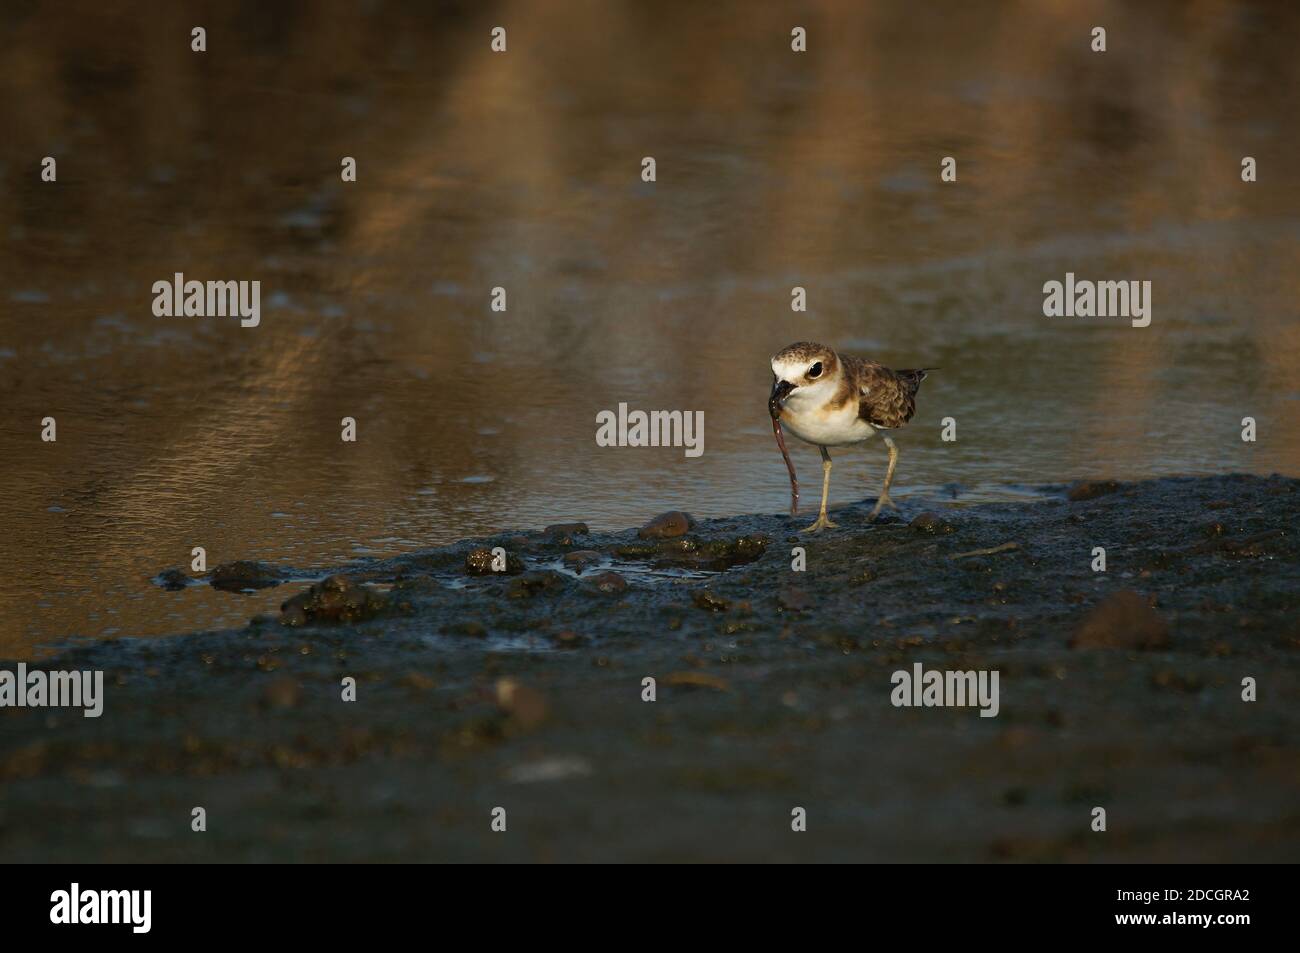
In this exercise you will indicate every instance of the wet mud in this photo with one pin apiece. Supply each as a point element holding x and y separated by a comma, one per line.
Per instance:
<point>509,671</point>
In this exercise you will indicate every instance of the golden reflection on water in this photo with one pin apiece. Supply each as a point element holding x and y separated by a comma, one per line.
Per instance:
<point>522,170</point>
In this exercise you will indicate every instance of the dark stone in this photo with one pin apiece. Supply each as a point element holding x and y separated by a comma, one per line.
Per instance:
<point>609,582</point>
<point>566,529</point>
<point>478,562</point>
<point>173,580</point>
<point>336,599</point>
<point>933,524</point>
<point>244,574</point>
<point>535,582</point>
<point>562,534</point>
<point>722,554</point>
<point>716,555</point>
<point>580,559</point>
<point>667,525</point>
<point>708,600</point>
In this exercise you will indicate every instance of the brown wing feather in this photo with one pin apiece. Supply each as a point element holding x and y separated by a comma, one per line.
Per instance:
<point>888,398</point>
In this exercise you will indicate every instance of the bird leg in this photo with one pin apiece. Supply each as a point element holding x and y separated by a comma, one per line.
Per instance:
<point>884,499</point>
<point>822,521</point>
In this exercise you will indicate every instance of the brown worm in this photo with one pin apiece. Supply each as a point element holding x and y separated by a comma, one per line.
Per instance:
<point>785,455</point>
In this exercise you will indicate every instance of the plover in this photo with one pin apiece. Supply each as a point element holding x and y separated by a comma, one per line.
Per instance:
<point>830,400</point>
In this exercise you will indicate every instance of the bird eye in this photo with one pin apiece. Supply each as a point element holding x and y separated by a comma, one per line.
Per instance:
<point>815,370</point>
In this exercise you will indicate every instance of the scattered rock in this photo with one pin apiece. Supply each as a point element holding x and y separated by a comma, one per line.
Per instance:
<point>715,555</point>
<point>535,582</point>
<point>478,562</point>
<point>580,559</point>
<point>244,574</point>
<point>173,580</point>
<point>609,582</point>
<point>710,601</point>
<point>566,529</point>
<point>667,525</point>
<point>336,599</point>
<point>722,554</point>
<point>932,523</point>
<point>562,534</point>
<point>1091,489</point>
<point>1123,620</point>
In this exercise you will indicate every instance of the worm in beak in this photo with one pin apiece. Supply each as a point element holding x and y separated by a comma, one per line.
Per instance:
<point>780,389</point>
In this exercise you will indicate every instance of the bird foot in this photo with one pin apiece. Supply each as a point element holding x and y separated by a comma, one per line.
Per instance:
<point>821,524</point>
<point>883,500</point>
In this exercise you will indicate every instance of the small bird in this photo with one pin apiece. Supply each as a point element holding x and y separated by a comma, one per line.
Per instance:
<point>830,400</point>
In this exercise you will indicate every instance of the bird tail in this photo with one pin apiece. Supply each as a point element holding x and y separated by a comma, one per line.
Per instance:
<point>913,376</point>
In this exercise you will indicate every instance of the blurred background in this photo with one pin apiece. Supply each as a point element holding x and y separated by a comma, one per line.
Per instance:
<point>522,170</point>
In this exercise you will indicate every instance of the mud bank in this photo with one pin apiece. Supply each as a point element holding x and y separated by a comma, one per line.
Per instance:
<point>480,687</point>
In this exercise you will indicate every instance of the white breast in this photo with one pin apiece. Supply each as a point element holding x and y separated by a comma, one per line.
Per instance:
<point>808,421</point>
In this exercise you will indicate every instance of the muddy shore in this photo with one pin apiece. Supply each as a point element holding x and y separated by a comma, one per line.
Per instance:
<point>522,689</point>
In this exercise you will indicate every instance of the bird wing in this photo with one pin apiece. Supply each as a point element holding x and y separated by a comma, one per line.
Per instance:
<point>887,399</point>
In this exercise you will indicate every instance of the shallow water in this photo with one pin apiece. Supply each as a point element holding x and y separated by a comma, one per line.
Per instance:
<point>522,171</point>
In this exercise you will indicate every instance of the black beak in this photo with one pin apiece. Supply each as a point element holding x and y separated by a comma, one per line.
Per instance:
<point>780,389</point>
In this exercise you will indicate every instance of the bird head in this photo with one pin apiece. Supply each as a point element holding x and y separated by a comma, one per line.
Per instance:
<point>802,371</point>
